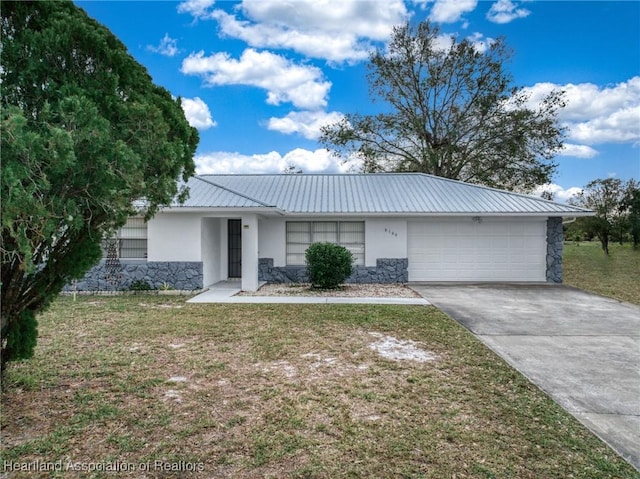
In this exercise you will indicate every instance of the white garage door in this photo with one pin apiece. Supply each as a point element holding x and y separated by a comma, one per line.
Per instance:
<point>467,250</point>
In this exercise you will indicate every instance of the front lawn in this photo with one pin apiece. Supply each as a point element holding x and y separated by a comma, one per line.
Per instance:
<point>252,391</point>
<point>587,267</point>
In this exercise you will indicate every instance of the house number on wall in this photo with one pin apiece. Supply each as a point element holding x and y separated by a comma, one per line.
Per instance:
<point>392,233</point>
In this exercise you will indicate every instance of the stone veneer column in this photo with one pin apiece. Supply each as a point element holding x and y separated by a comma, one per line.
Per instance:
<point>555,243</point>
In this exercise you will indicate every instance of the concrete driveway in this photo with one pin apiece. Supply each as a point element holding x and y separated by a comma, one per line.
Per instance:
<point>583,350</point>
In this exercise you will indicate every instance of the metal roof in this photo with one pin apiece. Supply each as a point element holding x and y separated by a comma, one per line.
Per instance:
<point>204,193</point>
<point>381,193</point>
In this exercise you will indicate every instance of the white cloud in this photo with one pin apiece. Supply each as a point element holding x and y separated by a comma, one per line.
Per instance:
<point>560,194</point>
<point>422,3</point>
<point>199,9</point>
<point>480,43</point>
<point>450,11</point>
<point>578,151</point>
<point>444,41</point>
<point>168,46</point>
<point>622,126</point>
<point>318,161</point>
<point>505,11</point>
<point>596,114</point>
<point>305,123</point>
<point>336,31</point>
<point>197,113</point>
<point>286,82</point>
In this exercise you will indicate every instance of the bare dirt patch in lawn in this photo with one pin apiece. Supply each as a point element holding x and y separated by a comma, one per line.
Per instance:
<point>397,350</point>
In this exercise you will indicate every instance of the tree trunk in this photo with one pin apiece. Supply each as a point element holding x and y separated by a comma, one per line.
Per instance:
<point>604,241</point>
<point>6,351</point>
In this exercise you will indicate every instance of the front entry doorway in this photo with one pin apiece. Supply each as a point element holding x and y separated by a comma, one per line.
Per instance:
<point>235,248</point>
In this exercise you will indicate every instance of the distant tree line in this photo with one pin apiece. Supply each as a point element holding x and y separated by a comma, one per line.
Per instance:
<point>617,207</point>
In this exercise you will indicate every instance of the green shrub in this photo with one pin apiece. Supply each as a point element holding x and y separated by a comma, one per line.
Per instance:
<point>328,265</point>
<point>139,285</point>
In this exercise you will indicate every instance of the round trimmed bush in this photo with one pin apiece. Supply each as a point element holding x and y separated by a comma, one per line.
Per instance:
<point>328,265</point>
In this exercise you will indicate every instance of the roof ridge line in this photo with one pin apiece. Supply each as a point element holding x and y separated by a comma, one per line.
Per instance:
<point>378,173</point>
<point>234,192</point>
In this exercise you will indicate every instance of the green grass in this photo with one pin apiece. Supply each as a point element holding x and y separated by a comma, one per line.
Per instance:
<point>280,391</point>
<point>587,267</point>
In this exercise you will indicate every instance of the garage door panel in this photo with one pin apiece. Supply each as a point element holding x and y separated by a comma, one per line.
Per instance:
<point>484,260</point>
<point>534,244</point>
<point>496,229</point>
<point>499,242</point>
<point>464,250</point>
<point>450,229</point>
<point>531,229</point>
<point>517,244</point>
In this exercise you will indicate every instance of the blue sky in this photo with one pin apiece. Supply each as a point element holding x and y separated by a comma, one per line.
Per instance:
<point>259,77</point>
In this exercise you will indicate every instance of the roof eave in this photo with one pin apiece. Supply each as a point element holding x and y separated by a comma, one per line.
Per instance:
<point>235,210</point>
<point>276,211</point>
<point>544,214</point>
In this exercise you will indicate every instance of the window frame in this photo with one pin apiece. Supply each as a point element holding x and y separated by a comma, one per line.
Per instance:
<point>133,232</point>
<point>318,229</point>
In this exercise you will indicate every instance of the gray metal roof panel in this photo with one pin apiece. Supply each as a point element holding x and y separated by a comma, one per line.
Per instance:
<point>409,193</point>
<point>204,193</point>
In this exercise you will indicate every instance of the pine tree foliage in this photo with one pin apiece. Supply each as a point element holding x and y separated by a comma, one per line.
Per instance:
<point>85,133</point>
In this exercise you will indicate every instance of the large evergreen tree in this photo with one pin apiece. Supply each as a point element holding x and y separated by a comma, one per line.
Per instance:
<point>85,132</point>
<point>451,111</point>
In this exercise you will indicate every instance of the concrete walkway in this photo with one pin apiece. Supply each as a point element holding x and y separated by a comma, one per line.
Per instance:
<point>226,292</point>
<point>581,349</point>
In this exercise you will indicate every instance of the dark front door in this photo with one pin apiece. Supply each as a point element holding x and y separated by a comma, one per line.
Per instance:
<point>235,249</point>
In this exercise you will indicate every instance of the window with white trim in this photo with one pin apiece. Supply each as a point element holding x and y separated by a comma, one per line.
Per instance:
<point>131,239</point>
<point>300,234</point>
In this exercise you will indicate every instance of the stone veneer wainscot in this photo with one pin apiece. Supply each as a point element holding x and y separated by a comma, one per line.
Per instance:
<point>178,275</point>
<point>386,270</point>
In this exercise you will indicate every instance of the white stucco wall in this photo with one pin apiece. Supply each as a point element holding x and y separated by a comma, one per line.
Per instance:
<point>250,235</point>
<point>272,242</point>
<point>212,257</point>
<point>224,248</point>
<point>174,237</point>
<point>384,238</point>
